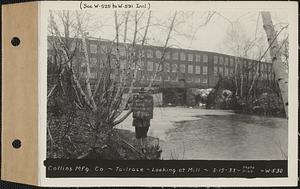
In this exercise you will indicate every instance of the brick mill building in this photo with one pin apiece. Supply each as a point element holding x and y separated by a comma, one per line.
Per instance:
<point>182,69</point>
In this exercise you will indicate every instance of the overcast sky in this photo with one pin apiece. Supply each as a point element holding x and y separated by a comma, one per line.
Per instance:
<point>190,31</point>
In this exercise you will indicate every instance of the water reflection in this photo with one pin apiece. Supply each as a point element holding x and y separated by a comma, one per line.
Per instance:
<point>232,137</point>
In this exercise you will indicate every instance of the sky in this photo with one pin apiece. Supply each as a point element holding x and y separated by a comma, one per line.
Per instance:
<point>190,30</point>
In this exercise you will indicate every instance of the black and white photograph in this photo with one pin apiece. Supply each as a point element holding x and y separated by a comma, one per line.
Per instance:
<point>143,84</point>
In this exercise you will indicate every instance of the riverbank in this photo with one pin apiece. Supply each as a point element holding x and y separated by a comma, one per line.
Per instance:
<point>77,141</point>
<point>181,133</point>
<point>126,140</point>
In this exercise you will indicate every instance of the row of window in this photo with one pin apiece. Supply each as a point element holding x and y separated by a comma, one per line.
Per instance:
<point>190,79</point>
<point>223,61</point>
<point>183,56</point>
<point>229,71</point>
<point>174,68</point>
<point>220,60</point>
<point>158,54</point>
<point>262,69</point>
<point>93,48</point>
<point>191,69</point>
<point>151,66</point>
<point>177,56</point>
<point>222,71</point>
<point>93,75</point>
<point>174,78</point>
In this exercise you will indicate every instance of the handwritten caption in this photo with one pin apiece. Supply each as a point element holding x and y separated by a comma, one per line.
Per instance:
<point>164,168</point>
<point>179,171</point>
<point>113,5</point>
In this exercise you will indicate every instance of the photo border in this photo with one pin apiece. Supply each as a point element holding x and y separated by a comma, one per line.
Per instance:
<point>291,180</point>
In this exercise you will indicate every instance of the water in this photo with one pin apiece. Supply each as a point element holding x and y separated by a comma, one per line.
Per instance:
<point>217,135</point>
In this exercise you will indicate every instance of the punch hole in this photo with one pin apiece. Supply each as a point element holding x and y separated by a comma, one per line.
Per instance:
<point>15,41</point>
<point>16,144</point>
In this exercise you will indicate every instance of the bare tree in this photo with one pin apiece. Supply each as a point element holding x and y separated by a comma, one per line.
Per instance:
<point>281,74</point>
<point>103,100</point>
<point>244,47</point>
<point>162,59</point>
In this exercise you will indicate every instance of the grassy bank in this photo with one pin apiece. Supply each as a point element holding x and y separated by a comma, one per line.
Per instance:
<point>72,139</point>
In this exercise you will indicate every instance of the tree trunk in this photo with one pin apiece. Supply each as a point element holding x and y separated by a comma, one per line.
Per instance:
<point>281,75</point>
<point>87,64</point>
<point>164,51</point>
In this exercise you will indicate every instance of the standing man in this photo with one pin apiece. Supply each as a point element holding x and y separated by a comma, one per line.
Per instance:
<point>142,114</point>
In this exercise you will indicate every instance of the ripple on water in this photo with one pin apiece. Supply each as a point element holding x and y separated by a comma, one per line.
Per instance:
<point>227,137</point>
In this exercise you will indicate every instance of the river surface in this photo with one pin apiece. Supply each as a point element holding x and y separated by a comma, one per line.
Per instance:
<point>187,133</point>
